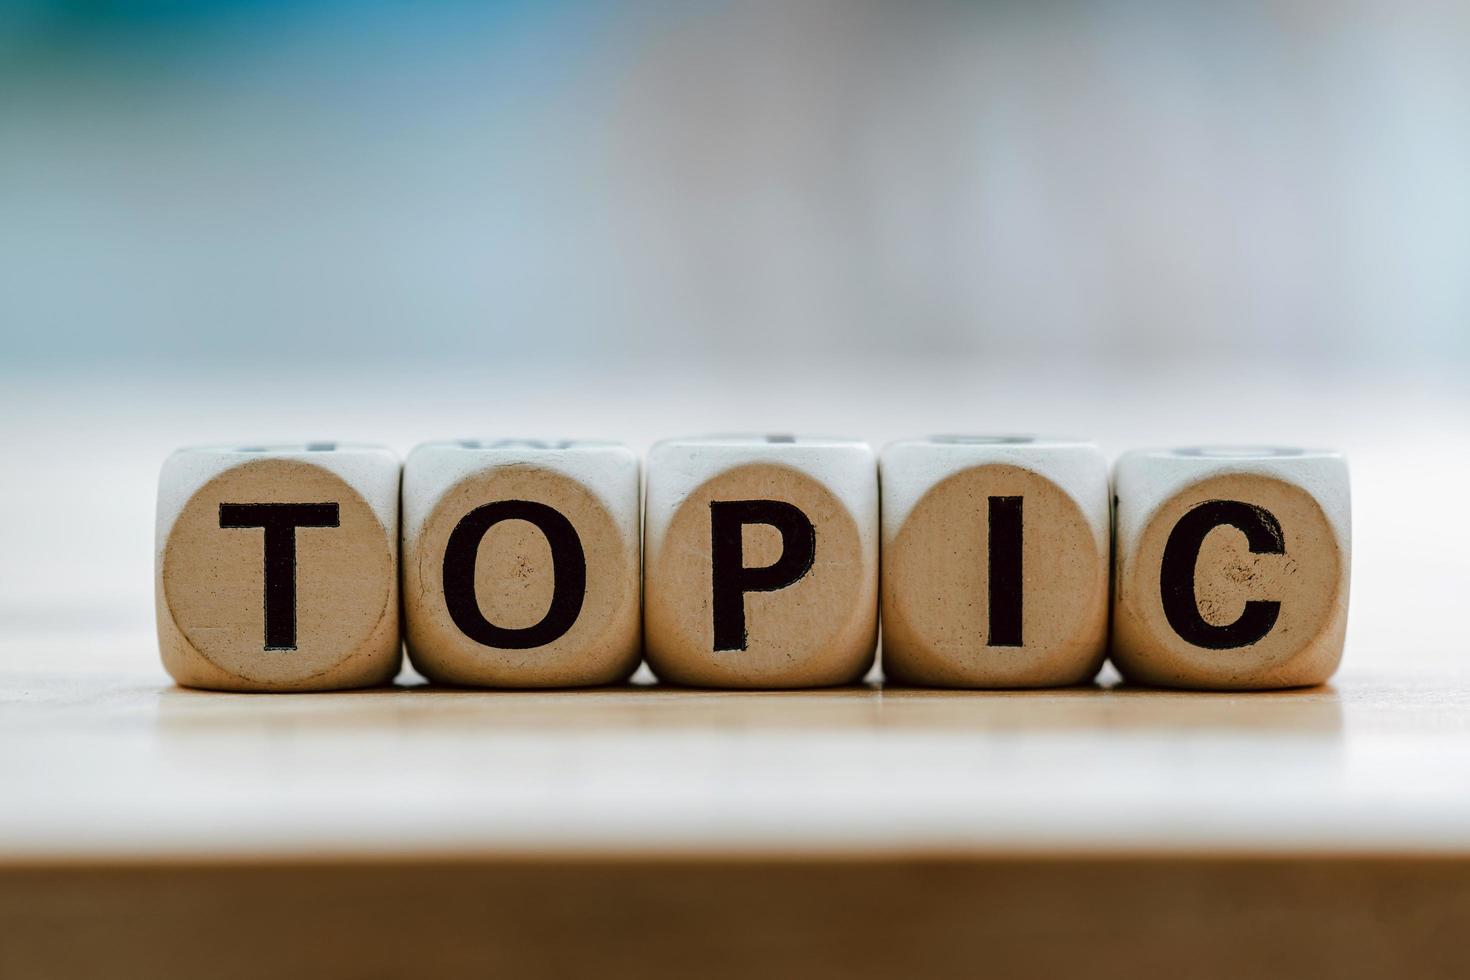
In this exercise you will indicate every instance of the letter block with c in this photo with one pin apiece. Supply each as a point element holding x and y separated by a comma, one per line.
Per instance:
<point>1230,567</point>
<point>520,562</point>
<point>761,561</point>
<point>276,568</point>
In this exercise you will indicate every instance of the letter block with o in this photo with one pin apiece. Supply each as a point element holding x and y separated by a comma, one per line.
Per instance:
<point>995,561</point>
<point>277,567</point>
<point>1230,567</point>
<point>520,562</point>
<point>761,561</point>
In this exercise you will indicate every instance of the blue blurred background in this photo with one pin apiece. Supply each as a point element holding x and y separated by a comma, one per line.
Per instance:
<point>210,183</point>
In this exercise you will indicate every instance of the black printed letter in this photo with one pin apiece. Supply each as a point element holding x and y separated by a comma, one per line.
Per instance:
<point>1005,572</point>
<point>568,565</point>
<point>1176,573</point>
<point>280,522</point>
<point>729,576</point>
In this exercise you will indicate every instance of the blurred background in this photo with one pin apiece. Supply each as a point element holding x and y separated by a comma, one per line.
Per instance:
<point>214,181</point>
<point>1142,221</point>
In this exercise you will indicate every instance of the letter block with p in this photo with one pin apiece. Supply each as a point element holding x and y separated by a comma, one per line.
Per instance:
<point>277,567</point>
<point>1230,567</point>
<point>761,561</point>
<point>520,562</point>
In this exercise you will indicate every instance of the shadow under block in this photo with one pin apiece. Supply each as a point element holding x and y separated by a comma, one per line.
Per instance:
<point>995,562</point>
<point>276,569</point>
<point>761,561</point>
<point>1231,567</point>
<point>521,563</point>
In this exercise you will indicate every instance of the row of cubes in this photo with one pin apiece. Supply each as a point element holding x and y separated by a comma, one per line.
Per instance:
<point>751,562</point>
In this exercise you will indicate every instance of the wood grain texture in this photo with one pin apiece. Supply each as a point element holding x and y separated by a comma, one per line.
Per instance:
<point>816,919</point>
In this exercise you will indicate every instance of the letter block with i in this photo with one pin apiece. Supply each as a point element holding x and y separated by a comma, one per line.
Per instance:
<point>761,561</point>
<point>995,561</point>
<point>277,567</point>
<point>520,562</point>
<point>1231,567</point>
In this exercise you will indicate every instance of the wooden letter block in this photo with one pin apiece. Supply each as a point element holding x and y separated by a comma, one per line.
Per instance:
<point>761,561</point>
<point>995,562</point>
<point>277,568</point>
<point>1231,567</point>
<point>520,563</point>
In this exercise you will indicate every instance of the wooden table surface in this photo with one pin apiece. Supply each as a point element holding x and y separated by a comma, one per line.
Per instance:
<point>558,831</point>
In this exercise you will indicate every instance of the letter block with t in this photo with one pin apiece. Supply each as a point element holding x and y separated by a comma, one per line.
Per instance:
<point>1231,567</point>
<point>277,568</point>
<point>520,562</point>
<point>995,561</point>
<point>760,561</point>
